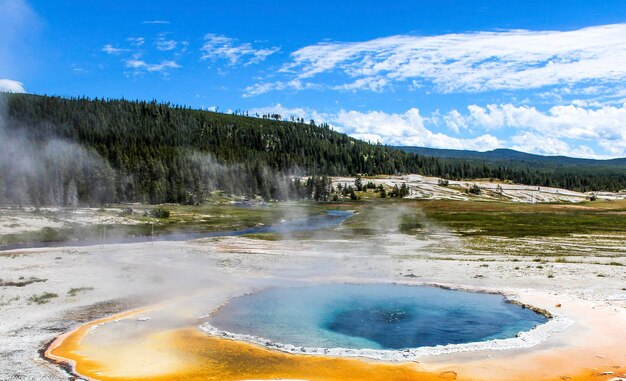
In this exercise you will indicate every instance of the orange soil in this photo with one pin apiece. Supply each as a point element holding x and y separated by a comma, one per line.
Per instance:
<point>188,354</point>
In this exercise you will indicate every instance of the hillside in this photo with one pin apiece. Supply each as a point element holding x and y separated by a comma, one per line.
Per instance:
<point>58,151</point>
<point>503,155</point>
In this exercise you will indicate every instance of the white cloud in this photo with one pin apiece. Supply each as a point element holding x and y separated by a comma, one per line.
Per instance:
<point>538,144</point>
<point>262,88</point>
<point>470,62</point>
<point>543,145</point>
<point>163,44</point>
<point>136,41</point>
<point>455,121</point>
<point>155,22</point>
<point>11,86</point>
<point>548,132</point>
<point>109,49</point>
<point>561,130</point>
<point>570,121</point>
<point>141,66</point>
<point>407,129</point>
<point>163,59</point>
<point>217,47</point>
<point>375,84</point>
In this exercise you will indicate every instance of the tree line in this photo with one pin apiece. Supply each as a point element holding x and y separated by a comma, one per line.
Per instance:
<point>137,151</point>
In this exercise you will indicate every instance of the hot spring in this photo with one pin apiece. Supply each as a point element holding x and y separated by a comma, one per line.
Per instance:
<point>373,316</point>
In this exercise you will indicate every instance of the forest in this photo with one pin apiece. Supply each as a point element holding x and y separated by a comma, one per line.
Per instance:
<point>79,151</point>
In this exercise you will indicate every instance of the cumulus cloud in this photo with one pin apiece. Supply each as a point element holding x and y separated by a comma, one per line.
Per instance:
<point>407,129</point>
<point>545,145</point>
<point>219,47</point>
<point>592,132</point>
<point>11,86</point>
<point>539,144</point>
<point>455,121</point>
<point>471,62</point>
<point>568,121</point>
<point>547,132</point>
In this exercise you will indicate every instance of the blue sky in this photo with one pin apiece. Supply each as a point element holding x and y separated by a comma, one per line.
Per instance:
<point>546,77</point>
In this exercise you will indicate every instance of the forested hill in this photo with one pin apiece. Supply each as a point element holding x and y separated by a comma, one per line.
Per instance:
<point>503,155</point>
<point>67,151</point>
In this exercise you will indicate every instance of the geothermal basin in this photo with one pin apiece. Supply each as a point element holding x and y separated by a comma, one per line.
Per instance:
<point>384,317</point>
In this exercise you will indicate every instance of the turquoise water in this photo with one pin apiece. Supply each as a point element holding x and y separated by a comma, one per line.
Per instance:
<point>373,316</point>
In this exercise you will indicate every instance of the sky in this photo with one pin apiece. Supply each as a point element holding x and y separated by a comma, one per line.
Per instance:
<point>545,77</point>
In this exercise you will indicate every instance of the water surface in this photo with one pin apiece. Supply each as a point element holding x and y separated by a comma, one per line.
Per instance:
<point>374,316</point>
<point>316,222</point>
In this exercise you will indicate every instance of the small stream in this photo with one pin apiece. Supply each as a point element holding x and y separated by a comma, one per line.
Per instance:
<point>328,220</point>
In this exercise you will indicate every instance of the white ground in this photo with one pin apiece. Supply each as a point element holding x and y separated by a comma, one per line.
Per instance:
<point>19,220</point>
<point>428,188</point>
<point>149,272</point>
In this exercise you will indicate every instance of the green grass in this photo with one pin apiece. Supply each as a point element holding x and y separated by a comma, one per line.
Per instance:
<point>42,298</point>
<point>477,221</point>
<point>376,215</point>
<point>263,236</point>
<point>75,291</point>
<point>505,219</point>
<point>21,282</point>
<point>411,223</point>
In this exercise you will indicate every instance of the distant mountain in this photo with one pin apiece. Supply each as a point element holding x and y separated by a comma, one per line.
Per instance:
<point>501,155</point>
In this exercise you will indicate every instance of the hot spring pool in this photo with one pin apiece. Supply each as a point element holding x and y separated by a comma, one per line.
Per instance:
<point>373,316</point>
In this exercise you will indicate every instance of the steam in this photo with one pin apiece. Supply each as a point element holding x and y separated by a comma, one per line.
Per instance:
<point>11,86</point>
<point>42,170</point>
<point>233,177</point>
<point>49,171</point>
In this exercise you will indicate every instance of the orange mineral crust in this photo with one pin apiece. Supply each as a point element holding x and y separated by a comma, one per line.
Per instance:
<point>189,354</point>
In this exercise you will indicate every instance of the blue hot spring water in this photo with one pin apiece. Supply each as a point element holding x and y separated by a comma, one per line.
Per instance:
<point>373,316</point>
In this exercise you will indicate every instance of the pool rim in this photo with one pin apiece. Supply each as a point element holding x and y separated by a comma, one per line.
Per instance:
<point>555,323</point>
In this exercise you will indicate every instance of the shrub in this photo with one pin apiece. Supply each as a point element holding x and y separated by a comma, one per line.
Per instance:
<point>128,211</point>
<point>160,213</point>
<point>75,291</point>
<point>474,189</point>
<point>42,298</point>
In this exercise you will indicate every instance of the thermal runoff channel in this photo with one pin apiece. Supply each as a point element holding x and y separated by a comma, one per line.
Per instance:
<point>374,316</point>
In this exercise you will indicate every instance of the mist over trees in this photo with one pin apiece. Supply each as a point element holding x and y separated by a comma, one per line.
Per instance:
<point>51,171</point>
<point>58,151</point>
